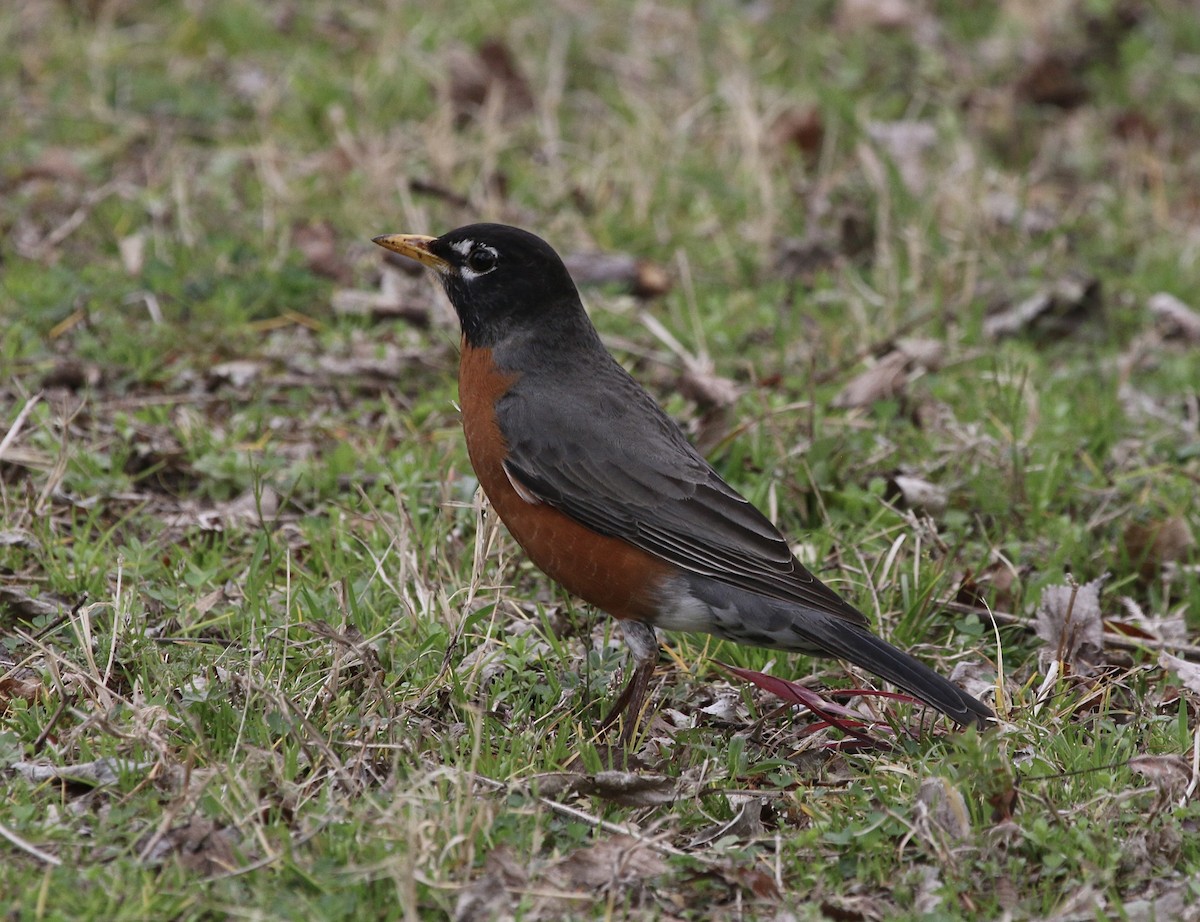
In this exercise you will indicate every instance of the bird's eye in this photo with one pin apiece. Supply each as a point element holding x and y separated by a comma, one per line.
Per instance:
<point>481,260</point>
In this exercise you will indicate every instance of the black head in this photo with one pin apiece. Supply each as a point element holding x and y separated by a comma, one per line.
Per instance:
<point>499,278</point>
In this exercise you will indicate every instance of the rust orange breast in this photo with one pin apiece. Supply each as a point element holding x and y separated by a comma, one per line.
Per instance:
<point>607,572</point>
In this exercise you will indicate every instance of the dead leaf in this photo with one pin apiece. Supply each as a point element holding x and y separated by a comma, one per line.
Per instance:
<point>1175,319</point>
<point>100,773</point>
<point>701,384</point>
<point>942,815</point>
<point>1170,775</point>
<point>1052,80</point>
<point>1151,545</point>
<point>133,252</point>
<point>998,576</point>
<point>1167,628</point>
<point>977,677</point>
<point>239,373</point>
<point>487,76</point>
<point>20,603</point>
<point>73,374</point>
<point>1135,125</point>
<point>613,864</point>
<point>317,243</point>
<point>1028,217</point>
<point>1187,672</point>
<point>886,15</point>
<point>920,494</point>
<point>886,378</point>
<point>908,145</point>
<point>23,683</point>
<point>753,880</point>
<point>801,128</point>
<point>400,295</point>
<point>16,537</point>
<point>745,826</point>
<point>57,164</point>
<point>803,258</point>
<point>242,510</point>
<point>1057,310</point>
<point>640,277</point>
<point>200,845</point>
<point>1069,623</point>
<point>628,789</point>
<point>487,898</point>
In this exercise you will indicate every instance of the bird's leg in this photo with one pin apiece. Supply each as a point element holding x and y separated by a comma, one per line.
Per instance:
<point>643,645</point>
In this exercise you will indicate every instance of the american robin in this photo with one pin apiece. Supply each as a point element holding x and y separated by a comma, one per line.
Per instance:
<point>605,493</point>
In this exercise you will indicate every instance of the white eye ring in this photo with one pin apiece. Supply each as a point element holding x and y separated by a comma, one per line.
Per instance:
<point>481,260</point>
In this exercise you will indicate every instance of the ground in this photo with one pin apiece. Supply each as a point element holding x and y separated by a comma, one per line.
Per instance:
<point>919,277</point>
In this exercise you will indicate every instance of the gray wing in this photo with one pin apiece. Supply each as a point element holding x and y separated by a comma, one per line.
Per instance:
<point>616,463</point>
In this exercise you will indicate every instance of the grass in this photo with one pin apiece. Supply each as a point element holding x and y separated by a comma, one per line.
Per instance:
<point>263,594</point>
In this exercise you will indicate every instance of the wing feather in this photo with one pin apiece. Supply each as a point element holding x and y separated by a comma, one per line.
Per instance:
<point>616,463</point>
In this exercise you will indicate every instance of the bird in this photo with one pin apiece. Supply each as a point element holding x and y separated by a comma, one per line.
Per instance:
<point>606,495</point>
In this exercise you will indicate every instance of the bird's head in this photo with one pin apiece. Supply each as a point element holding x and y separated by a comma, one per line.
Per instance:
<point>498,278</point>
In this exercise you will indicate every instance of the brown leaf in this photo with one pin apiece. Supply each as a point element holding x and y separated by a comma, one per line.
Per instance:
<point>612,864</point>
<point>701,384</point>
<point>488,76</point>
<point>1052,80</point>
<point>23,684</point>
<point>745,826</point>
<point>73,374</point>
<point>628,789</point>
<point>1175,319</point>
<point>1135,125</point>
<point>754,880</point>
<point>998,576</point>
<point>487,898</point>
<point>317,243</point>
<point>400,295</point>
<point>1151,545</point>
<point>1057,310</point>
<point>801,128</point>
<point>886,378</point>
<point>1170,775</point>
<point>855,15</point>
<point>942,815</point>
<point>803,257</point>
<point>200,845</point>
<point>16,601</point>
<point>57,164</point>
<point>1069,623</point>
<point>640,277</point>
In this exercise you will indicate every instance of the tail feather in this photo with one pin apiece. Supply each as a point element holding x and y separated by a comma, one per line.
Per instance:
<point>746,617</point>
<point>906,672</point>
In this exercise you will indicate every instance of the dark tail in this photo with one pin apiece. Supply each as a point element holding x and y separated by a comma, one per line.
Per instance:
<point>824,625</point>
<point>906,672</point>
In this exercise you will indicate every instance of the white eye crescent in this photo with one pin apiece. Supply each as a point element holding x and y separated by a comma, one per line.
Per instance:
<point>482,259</point>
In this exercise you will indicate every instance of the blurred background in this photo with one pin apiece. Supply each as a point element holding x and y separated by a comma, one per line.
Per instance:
<point>920,278</point>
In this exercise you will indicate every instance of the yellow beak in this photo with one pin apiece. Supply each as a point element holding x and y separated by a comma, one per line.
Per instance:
<point>414,246</point>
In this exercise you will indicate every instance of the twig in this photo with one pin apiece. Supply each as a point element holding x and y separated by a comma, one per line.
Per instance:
<point>29,848</point>
<point>15,429</point>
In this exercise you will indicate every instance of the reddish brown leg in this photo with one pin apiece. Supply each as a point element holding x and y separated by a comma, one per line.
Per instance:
<point>643,645</point>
